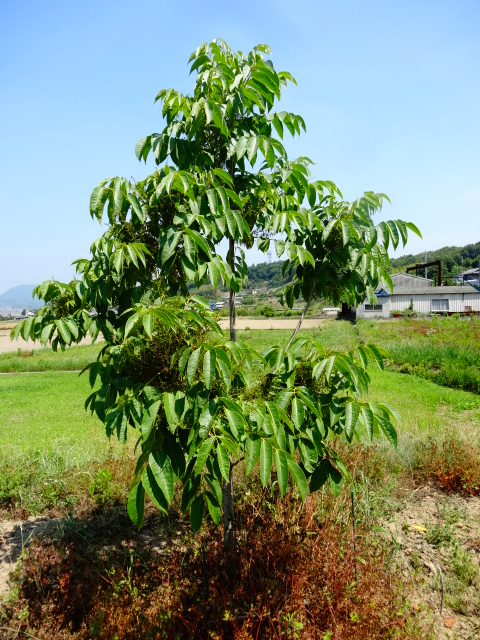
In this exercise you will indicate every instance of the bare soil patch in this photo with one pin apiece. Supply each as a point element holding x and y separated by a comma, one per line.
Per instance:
<point>272,323</point>
<point>8,346</point>
<point>98,577</point>
<point>437,541</point>
<point>15,536</point>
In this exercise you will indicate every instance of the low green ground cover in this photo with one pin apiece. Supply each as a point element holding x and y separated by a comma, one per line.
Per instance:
<point>48,439</point>
<point>428,410</point>
<point>72,359</point>
<point>44,411</point>
<point>331,334</point>
<point>47,433</point>
<point>444,350</point>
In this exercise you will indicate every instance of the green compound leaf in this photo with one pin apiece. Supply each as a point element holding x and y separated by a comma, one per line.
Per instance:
<point>252,451</point>
<point>163,473</point>
<point>136,505</point>
<point>213,506</point>
<point>223,462</point>
<point>209,360</point>
<point>281,465</point>
<point>335,481</point>
<point>298,412</point>
<point>299,477</point>
<point>196,513</point>
<point>266,453</point>
<point>151,487</point>
<point>203,454</point>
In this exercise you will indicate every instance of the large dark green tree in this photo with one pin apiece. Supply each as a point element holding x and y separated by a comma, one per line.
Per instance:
<point>196,401</point>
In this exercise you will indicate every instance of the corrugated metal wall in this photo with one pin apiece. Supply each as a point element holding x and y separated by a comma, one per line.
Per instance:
<point>384,313</point>
<point>422,304</point>
<point>457,302</point>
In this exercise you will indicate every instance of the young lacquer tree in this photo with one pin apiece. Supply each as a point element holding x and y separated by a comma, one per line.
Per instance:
<point>197,402</point>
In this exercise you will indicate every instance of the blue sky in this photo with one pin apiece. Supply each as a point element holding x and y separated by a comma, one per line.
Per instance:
<point>389,91</point>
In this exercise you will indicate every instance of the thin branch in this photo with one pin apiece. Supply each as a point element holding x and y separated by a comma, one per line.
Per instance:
<point>235,462</point>
<point>231,293</point>
<point>442,586</point>
<point>297,328</point>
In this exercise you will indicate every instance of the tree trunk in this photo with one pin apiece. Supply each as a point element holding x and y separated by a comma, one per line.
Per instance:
<point>227,487</point>
<point>229,524</point>
<point>231,300</point>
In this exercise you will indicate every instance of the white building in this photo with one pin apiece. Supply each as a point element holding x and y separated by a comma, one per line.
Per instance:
<point>418,294</point>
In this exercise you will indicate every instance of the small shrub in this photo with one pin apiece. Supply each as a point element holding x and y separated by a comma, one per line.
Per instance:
<point>464,567</point>
<point>438,536</point>
<point>454,465</point>
<point>267,311</point>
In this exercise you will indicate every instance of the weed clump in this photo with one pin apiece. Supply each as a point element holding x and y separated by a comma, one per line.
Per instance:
<point>453,465</point>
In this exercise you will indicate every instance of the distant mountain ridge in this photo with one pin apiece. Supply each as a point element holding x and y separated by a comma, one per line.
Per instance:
<point>20,297</point>
<point>268,275</point>
<point>452,258</point>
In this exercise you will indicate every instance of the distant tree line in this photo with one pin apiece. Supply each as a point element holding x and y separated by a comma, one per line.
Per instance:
<point>453,259</point>
<point>267,275</point>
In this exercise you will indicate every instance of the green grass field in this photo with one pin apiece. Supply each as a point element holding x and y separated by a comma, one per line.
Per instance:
<point>443,350</point>
<point>72,359</point>
<point>41,410</point>
<point>48,440</point>
<point>47,432</point>
<point>44,411</point>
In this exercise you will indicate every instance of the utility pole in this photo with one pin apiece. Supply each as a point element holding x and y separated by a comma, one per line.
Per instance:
<point>426,260</point>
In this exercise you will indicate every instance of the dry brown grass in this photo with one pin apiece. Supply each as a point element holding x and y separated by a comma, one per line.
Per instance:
<point>296,578</point>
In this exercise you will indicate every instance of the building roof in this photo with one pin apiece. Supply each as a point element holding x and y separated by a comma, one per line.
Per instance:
<point>410,275</point>
<point>468,272</point>
<point>434,291</point>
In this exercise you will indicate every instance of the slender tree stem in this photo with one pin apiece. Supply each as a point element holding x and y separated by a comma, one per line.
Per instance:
<point>229,522</point>
<point>231,259</point>
<point>227,487</point>
<point>297,328</point>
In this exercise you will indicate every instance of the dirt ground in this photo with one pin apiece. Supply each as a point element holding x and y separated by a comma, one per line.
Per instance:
<point>421,556</point>
<point>272,323</point>
<point>7,346</point>
<point>431,534</point>
<point>14,538</point>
